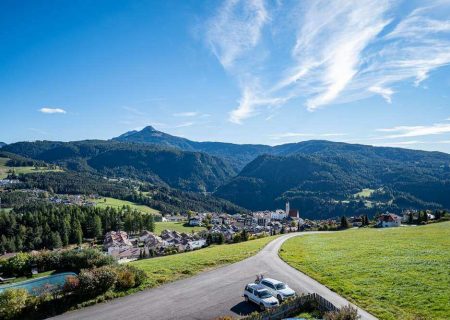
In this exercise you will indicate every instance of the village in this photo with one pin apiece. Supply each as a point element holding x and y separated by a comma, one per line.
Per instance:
<point>222,228</point>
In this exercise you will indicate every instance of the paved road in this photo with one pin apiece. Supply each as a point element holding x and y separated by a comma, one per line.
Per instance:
<point>210,294</point>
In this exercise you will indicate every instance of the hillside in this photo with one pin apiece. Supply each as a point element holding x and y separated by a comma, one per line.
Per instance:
<point>192,171</point>
<point>2,144</point>
<point>238,155</point>
<point>325,179</point>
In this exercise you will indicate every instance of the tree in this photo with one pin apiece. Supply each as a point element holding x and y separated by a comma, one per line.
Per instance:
<point>97,227</point>
<point>344,223</point>
<point>77,233</point>
<point>244,235</point>
<point>12,302</point>
<point>209,239</point>
<point>220,238</point>
<point>55,240</point>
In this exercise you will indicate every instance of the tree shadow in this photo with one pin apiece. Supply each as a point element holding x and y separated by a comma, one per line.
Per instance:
<point>244,308</point>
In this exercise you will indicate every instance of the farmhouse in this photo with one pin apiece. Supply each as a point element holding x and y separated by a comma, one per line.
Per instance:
<point>195,221</point>
<point>389,220</point>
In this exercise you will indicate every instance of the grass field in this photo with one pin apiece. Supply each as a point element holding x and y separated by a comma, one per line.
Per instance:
<point>396,273</point>
<point>175,226</point>
<point>116,203</point>
<point>4,169</point>
<point>171,268</point>
<point>365,193</point>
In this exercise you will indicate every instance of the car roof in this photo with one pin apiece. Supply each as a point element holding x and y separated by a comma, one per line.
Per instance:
<point>256,286</point>
<point>272,281</point>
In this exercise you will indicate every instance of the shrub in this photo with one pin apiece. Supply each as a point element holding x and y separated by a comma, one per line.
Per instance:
<point>129,277</point>
<point>12,302</point>
<point>345,313</point>
<point>125,279</point>
<point>72,283</point>
<point>18,265</point>
<point>96,281</point>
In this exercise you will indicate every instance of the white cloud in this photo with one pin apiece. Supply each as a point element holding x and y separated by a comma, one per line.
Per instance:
<point>415,131</point>
<point>286,135</point>
<point>185,124</point>
<point>386,93</point>
<point>343,51</point>
<point>186,114</point>
<point>236,29</point>
<point>52,110</point>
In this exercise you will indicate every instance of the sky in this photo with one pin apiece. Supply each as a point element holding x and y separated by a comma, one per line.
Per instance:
<point>360,71</point>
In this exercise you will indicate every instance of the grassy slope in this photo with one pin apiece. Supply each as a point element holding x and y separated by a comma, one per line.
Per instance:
<point>112,202</point>
<point>397,273</point>
<point>175,226</point>
<point>171,268</point>
<point>20,170</point>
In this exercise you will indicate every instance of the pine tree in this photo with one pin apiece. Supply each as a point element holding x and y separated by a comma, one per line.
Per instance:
<point>344,223</point>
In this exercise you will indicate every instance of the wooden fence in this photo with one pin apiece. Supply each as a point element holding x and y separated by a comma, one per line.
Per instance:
<point>293,306</point>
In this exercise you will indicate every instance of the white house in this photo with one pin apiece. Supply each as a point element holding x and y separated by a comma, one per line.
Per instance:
<point>278,215</point>
<point>195,221</point>
<point>388,220</point>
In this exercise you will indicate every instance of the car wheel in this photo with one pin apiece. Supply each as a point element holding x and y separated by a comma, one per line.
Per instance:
<point>246,298</point>
<point>280,299</point>
<point>262,307</point>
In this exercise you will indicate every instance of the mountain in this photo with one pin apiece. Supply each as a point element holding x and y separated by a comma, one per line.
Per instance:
<point>236,154</point>
<point>192,171</point>
<point>324,179</point>
<point>2,144</point>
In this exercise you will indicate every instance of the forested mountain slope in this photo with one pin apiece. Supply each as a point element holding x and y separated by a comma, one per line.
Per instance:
<point>192,171</point>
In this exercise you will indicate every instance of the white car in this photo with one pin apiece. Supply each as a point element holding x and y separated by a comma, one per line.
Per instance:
<point>260,295</point>
<point>278,289</point>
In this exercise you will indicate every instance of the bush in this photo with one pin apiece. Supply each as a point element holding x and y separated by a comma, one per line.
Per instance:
<point>345,313</point>
<point>72,283</point>
<point>12,302</point>
<point>96,281</point>
<point>72,260</point>
<point>125,279</point>
<point>19,265</point>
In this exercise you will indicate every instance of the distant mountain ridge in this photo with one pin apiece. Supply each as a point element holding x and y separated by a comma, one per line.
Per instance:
<point>238,155</point>
<point>2,144</point>
<point>192,171</point>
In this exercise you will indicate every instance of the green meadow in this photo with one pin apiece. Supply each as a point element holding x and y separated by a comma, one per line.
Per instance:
<point>116,203</point>
<point>5,170</point>
<point>170,268</point>
<point>175,226</point>
<point>394,273</point>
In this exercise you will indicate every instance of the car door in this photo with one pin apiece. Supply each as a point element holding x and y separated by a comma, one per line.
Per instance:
<point>251,294</point>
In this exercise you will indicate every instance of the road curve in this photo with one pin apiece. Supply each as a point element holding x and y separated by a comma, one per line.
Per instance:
<point>210,294</point>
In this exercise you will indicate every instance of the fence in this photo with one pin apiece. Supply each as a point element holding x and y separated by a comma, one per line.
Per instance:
<point>295,305</point>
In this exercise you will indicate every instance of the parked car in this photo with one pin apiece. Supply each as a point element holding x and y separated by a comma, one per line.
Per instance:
<point>260,295</point>
<point>277,288</point>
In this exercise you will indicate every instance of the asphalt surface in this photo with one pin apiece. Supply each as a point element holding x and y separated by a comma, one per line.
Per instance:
<point>210,294</point>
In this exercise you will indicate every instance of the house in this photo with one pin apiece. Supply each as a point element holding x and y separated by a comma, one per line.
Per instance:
<point>195,221</point>
<point>262,218</point>
<point>278,215</point>
<point>116,239</point>
<point>125,254</point>
<point>388,220</point>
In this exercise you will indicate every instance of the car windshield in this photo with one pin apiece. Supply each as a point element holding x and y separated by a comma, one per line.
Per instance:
<point>280,286</point>
<point>264,294</point>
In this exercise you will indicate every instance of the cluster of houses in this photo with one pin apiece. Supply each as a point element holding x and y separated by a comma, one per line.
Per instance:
<point>119,245</point>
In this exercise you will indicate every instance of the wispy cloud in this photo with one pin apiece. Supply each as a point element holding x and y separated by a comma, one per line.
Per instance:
<point>186,114</point>
<point>185,124</point>
<point>286,135</point>
<point>344,50</point>
<point>52,110</point>
<point>415,131</point>
<point>236,29</point>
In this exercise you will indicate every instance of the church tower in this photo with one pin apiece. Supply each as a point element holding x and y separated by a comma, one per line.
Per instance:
<point>287,208</point>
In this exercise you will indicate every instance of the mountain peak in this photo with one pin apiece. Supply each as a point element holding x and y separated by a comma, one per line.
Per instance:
<point>149,129</point>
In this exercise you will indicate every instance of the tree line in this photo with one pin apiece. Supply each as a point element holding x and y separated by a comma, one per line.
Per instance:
<point>37,226</point>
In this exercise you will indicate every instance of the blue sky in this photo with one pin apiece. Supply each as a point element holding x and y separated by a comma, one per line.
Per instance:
<point>373,72</point>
